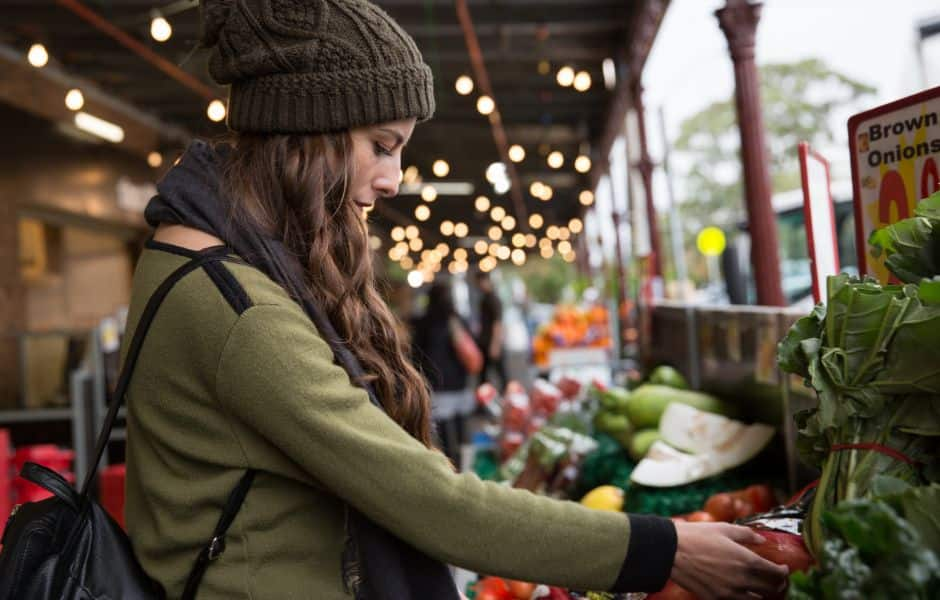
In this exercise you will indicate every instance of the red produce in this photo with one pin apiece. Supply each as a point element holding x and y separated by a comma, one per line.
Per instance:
<point>521,590</point>
<point>700,516</point>
<point>545,397</point>
<point>486,393</point>
<point>556,594</point>
<point>761,497</point>
<point>784,549</point>
<point>721,507</point>
<point>569,387</point>
<point>493,588</point>
<point>672,591</point>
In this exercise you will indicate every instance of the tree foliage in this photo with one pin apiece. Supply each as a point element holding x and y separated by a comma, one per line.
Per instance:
<point>799,100</point>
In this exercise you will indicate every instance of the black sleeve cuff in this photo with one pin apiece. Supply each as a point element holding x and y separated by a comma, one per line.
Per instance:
<point>650,555</point>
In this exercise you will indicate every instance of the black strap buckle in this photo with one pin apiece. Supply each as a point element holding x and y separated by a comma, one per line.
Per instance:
<point>216,547</point>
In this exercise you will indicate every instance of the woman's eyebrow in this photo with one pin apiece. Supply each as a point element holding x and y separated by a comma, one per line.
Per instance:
<point>399,138</point>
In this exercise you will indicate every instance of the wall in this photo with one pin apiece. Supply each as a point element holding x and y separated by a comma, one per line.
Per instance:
<point>69,182</point>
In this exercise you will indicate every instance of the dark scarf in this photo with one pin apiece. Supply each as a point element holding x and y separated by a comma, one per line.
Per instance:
<point>376,564</point>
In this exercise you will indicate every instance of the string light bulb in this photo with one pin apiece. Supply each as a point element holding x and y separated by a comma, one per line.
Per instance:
<point>464,85</point>
<point>37,56</point>
<point>508,223</point>
<point>565,76</point>
<point>429,193</point>
<point>497,213</point>
<point>440,168</point>
<point>485,105</point>
<point>75,100</point>
<point>160,29</point>
<point>536,220</point>
<point>516,153</point>
<point>556,160</point>
<point>582,164</point>
<point>447,228</point>
<point>461,230</point>
<point>575,225</point>
<point>586,198</point>
<point>422,212</point>
<point>518,257</point>
<point>398,233</point>
<point>216,111</point>
<point>155,159</point>
<point>582,81</point>
<point>482,203</point>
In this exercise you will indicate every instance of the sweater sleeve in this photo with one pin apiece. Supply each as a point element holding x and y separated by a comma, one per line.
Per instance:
<point>277,375</point>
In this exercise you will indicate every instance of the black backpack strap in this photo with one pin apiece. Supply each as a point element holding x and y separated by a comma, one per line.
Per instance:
<point>216,545</point>
<point>133,352</point>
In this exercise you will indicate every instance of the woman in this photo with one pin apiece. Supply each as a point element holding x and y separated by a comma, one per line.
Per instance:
<point>451,400</point>
<point>241,368</point>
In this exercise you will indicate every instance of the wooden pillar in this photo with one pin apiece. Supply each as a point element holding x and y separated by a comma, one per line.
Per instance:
<point>645,167</point>
<point>623,313</point>
<point>738,20</point>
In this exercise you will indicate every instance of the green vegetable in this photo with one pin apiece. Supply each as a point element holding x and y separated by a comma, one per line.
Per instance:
<point>649,401</point>
<point>614,400</point>
<point>872,552</point>
<point>666,375</point>
<point>642,440</point>
<point>912,246</point>
<point>873,357</point>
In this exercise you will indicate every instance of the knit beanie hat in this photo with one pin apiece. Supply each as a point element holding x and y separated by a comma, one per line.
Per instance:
<point>313,66</point>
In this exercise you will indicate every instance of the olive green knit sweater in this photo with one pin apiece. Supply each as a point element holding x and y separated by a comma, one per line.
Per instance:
<point>233,375</point>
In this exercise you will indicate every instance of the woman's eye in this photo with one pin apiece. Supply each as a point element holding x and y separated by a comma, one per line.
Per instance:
<point>382,150</point>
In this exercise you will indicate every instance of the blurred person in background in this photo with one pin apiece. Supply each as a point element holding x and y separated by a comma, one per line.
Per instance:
<point>451,399</point>
<point>490,337</point>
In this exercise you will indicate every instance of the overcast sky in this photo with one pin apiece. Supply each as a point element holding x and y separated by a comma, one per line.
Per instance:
<point>872,41</point>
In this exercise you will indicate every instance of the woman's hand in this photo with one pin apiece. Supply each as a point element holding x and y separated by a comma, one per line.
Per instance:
<point>711,562</point>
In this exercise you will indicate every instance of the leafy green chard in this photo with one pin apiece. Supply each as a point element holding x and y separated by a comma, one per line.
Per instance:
<point>872,354</point>
<point>872,552</point>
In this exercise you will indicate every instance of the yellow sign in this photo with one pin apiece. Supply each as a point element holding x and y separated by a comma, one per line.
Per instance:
<point>711,241</point>
<point>895,151</point>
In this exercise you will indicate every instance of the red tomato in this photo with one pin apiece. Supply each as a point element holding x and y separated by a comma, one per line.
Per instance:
<point>700,516</point>
<point>784,549</point>
<point>521,590</point>
<point>743,508</point>
<point>721,507</point>
<point>761,497</point>
<point>493,588</point>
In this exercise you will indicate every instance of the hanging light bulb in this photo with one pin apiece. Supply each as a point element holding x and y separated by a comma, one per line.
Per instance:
<point>586,197</point>
<point>155,159</point>
<point>582,81</point>
<point>518,240</point>
<point>464,85</point>
<point>508,223</point>
<point>575,225</point>
<point>485,105</point>
<point>422,212</point>
<point>160,28</point>
<point>503,253</point>
<point>518,257</point>
<point>411,232</point>
<point>556,160</point>
<point>565,76</point>
<point>497,213</point>
<point>516,153</point>
<point>461,230</point>
<point>398,233</point>
<point>440,168</point>
<point>530,240</point>
<point>216,111</point>
<point>547,252</point>
<point>482,203</point>
<point>447,227</point>
<point>37,56</point>
<point>480,247</point>
<point>536,189</point>
<point>75,100</point>
<point>429,193</point>
<point>411,175</point>
<point>416,244</point>
<point>547,193</point>
<point>495,233</point>
<point>570,256</point>
<point>536,220</point>
<point>582,164</point>
<point>564,247</point>
<point>544,67</point>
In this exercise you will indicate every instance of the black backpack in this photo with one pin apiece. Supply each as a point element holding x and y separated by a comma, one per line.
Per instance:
<point>67,547</point>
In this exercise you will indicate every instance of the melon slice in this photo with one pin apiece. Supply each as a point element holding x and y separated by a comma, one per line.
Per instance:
<point>664,466</point>
<point>716,444</point>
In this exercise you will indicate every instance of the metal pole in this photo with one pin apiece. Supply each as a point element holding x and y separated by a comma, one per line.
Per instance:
<point>675,219</point>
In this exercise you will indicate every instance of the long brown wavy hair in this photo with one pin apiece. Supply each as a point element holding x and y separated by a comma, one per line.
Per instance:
<point>294,188</point>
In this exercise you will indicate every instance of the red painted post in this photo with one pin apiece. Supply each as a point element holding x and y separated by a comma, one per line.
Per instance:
<point>738,20</point>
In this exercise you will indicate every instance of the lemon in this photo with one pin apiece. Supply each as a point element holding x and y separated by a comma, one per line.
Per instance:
<point>605,497</point>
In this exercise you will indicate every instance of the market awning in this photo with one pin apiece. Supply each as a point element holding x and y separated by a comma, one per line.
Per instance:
<point>524,44</point>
